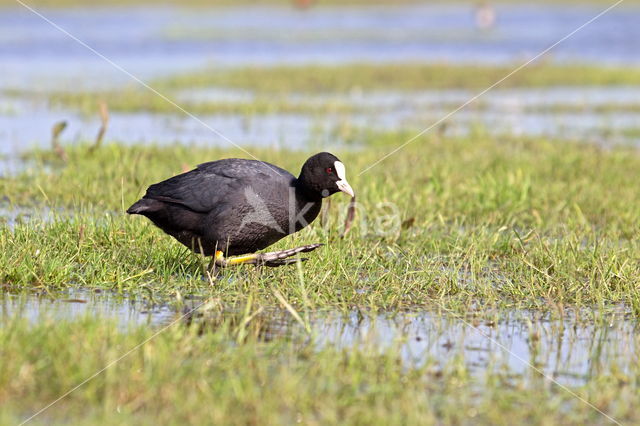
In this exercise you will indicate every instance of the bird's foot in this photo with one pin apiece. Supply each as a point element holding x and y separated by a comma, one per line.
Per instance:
<point>272,258</point>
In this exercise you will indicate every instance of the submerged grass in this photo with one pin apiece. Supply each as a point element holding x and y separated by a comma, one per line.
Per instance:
<point>452,222</point>
<point>186,375</point>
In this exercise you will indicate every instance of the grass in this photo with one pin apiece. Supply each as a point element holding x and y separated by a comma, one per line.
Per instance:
<point>135,100</point>
<point>273,87</point>
<point>468,227</point>
<point>402,76</point>
<point>483,225</point>
<point>462,227</point>
<point>521,221</point>
<point>187,375</point>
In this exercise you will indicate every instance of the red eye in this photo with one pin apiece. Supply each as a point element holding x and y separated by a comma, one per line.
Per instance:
<point>329,170</point>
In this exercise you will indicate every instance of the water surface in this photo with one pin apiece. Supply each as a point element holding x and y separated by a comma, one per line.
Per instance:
<point>160,40</point>
<point>569,347</point>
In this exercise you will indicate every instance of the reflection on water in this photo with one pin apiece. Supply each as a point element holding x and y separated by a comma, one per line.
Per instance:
<point>77,303</point>
<point>21,131</point>
<point>158,41</point>
<point>570,347</point>
<point>12,215</point>
<point>561,112</point>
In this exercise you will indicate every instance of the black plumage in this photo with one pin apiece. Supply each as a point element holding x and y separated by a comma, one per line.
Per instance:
<point>239,206</point>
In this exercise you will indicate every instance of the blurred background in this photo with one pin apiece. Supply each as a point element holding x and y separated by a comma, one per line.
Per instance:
<point>306,74</point>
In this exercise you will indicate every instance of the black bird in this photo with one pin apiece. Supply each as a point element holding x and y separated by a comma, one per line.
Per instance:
<point>236,206</point>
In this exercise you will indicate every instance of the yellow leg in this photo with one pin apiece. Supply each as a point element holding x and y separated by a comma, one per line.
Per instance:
<point>250,258</point>
<point>220,260</point>
<point>274,258</point>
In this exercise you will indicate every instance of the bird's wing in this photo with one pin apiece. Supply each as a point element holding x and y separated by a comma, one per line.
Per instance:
<point>211,184</point>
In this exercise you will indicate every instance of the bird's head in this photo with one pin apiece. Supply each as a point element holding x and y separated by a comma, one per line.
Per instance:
<point>325,174</point>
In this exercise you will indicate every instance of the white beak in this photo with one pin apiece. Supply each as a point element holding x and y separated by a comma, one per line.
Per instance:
<point>344,186</point>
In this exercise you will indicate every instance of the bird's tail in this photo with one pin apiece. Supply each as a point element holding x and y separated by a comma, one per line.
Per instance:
<point>144,205</point>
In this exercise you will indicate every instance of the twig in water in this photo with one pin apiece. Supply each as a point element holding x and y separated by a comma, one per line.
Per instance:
<point>104,117</point>
<point>57,129</point>
<point>351,215</point>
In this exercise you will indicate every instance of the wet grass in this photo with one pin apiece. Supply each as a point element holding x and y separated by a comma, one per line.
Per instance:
<point>276,89</point>
<point>402,76</point>
<point>136,100</point>
<point>454,222</point>
<point>194,376</point>
<point>465,227</point>
<point>191,376</point>
<point>607,108</point>
<point>468,227</point>
<point>483,225</point>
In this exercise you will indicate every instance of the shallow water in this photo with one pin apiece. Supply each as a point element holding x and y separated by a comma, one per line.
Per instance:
<point>78,303</point>
<point>12,215</point>
<point>20,131</point>
<point>521,111</point>
<point>26,123</point>
<point>568,348</point>
<point>161,40</point>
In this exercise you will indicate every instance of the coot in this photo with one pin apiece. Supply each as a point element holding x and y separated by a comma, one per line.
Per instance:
<point>236,206</point>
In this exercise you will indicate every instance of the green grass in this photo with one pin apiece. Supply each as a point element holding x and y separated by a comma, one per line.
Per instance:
<point>133,99</point>
<point>273,86</point>
<point>522,221</point>
<point>484,224</point>
<point>402,76</point>
<point>187,375</point>
<point>490,224</point>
